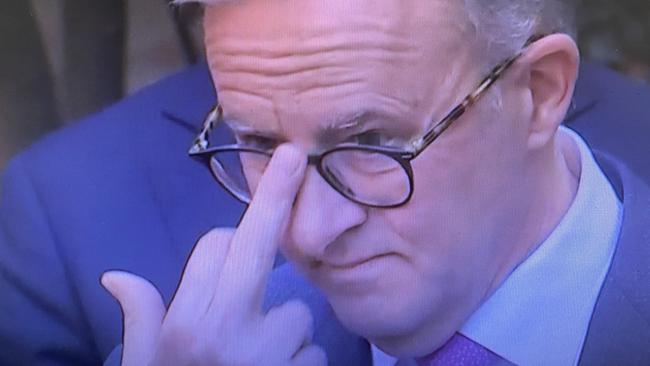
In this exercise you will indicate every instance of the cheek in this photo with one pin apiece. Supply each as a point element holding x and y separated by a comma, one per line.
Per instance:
<point>449,222</point>
<point>436,237</point>
<point>434,248</point>
<point>436,214</point>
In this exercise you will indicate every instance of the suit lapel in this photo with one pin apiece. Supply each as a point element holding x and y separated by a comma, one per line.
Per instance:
<point>619,331</point>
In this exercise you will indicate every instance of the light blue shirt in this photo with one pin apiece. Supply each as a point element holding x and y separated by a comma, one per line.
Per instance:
<point>541,312</point>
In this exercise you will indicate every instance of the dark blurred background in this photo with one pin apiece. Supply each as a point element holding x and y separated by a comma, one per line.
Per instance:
<point>64,59</point>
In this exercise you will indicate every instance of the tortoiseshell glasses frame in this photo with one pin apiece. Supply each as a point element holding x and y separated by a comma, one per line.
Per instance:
<point>201,149</point>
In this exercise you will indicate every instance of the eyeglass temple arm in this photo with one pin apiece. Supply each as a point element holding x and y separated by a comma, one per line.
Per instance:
<point>201,141</point>
<point>461,108</point>
<point>469,100</point>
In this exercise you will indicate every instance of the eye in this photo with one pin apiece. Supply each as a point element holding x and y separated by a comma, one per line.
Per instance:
<point>257,141</point>
<point>372,138</point>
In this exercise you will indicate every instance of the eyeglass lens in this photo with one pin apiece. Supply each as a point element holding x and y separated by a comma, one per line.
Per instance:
<point>364,176</point>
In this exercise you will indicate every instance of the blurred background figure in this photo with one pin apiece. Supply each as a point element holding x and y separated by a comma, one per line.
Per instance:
<point>27,102</point>
<point>64,59</point>
<point>617,33</point>
<point>93,53</point>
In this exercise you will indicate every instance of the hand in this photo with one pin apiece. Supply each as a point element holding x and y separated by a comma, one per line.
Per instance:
<point>215,317</point>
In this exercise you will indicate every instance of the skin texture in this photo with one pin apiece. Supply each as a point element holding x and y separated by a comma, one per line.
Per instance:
<point>488,191</point>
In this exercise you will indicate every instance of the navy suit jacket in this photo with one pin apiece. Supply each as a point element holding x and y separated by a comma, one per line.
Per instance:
<point>118,191</point>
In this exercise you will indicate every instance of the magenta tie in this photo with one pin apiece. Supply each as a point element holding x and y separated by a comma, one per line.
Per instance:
<point>462,351</point>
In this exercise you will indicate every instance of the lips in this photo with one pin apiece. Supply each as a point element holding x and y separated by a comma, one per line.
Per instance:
<point>358,276</point>
<point>351,265</point>
<point>358,269</point>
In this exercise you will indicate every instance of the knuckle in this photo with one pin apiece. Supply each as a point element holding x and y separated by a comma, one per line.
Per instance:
<point>301,313</point>
<point>292,312</point>
<point>179,343</point>
<point>293,317</point>
<point>191,344</point>
<point>298,310</point>
<point>179,336</point>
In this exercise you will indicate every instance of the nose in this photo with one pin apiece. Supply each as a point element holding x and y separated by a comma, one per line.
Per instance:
<point>320,215</point>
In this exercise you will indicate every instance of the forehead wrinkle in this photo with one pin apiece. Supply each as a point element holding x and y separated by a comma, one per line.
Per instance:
<point>300,77</point>
<point>313,33</point>
<point>262,77</point>
<point>230,49</point>
<point>306,75</point>
<point>253,95</point>
<point>286,47</point>
<point>245,30</point>
<point>336,72</point>
<point>335,60</point>
<point>335,123</point>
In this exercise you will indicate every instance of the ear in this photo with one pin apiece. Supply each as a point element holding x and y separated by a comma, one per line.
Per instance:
<point>553,65</point>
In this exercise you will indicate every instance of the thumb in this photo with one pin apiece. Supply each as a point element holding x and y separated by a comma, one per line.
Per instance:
<point>143,311</point>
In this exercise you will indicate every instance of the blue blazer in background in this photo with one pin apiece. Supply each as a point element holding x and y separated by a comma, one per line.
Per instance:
<point>118,191</point>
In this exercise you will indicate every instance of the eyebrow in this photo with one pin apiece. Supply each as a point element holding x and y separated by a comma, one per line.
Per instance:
<point>346,121</point>
<point>331,132</point>
<point>340,125</point>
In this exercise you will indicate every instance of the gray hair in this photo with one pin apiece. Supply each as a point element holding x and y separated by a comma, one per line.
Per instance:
<point>504,25</point>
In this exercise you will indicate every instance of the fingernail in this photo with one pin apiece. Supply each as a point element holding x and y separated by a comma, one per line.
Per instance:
<point>290,158</point>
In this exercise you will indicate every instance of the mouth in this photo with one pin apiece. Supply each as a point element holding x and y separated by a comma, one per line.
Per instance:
<point>352,265</point>
<point>361,272</point>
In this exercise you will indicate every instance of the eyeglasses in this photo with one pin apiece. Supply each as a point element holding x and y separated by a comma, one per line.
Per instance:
<point>370,175</point>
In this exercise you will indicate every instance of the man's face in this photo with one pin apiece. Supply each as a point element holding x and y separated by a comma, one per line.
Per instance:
<point>292,69</point>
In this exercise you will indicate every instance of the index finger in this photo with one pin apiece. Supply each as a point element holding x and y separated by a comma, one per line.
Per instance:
<point>254,246</point>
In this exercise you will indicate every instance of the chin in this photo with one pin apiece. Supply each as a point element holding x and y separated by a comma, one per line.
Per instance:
<point>381,315</point>
<point>400,325</point>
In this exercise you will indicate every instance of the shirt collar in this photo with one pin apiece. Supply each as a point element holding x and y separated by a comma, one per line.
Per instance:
<point>540,314</point>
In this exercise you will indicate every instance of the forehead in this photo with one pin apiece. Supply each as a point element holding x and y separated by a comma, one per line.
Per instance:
<point>291,22</point>
<point>387,52</point>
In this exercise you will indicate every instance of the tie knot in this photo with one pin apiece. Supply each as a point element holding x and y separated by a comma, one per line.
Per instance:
<point>462,351</point>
